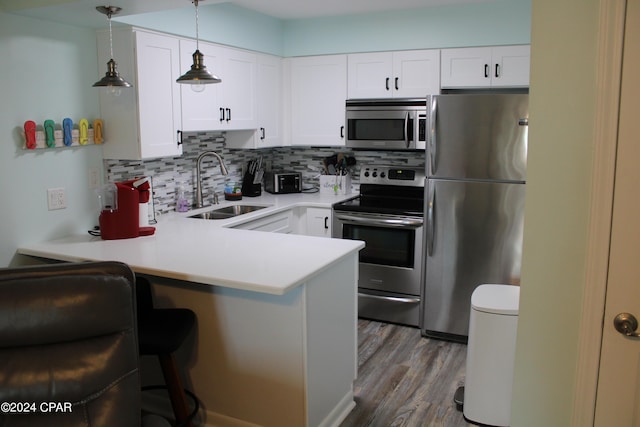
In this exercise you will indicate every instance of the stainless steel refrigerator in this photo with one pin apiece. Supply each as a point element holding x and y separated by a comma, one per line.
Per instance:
<point>474,203</point>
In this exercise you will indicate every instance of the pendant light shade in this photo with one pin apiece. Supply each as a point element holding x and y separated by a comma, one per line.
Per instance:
<point>111,78</point>
<point>198,74</point>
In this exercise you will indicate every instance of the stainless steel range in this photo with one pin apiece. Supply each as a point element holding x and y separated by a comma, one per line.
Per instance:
<point>388,217</point>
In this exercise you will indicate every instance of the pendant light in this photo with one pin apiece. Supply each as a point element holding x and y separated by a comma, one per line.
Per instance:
<point>198,75</point>
<point>111,79</point>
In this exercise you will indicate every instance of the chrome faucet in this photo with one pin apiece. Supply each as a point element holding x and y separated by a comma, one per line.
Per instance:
<point>223,169</point>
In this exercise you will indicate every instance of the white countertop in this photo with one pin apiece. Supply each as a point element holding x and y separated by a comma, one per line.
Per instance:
<point>209,252</point>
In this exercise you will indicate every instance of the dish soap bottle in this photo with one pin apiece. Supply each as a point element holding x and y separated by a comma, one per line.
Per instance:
<point>182,205</point>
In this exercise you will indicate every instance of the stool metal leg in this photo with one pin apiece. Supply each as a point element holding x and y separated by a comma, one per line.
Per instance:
<point>176,389</point>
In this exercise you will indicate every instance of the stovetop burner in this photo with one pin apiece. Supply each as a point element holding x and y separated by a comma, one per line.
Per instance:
<point>388,190</point>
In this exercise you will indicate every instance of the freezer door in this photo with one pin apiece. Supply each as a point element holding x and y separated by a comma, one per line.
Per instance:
<point>481,136</point>
<point>473,236</point>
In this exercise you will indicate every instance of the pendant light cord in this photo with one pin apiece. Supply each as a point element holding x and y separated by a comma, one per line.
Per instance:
<point>195,2</point>
<point>110,35</point>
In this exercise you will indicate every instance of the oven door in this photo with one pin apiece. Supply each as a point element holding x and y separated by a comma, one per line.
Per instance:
<point>390,264</point>
<point>391,260</point>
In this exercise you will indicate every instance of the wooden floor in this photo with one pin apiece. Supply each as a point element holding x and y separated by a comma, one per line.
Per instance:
<point>404,379</point>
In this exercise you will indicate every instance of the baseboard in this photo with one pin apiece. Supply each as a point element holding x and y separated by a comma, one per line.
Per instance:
<point>340,412</point>
<point>156,403</point>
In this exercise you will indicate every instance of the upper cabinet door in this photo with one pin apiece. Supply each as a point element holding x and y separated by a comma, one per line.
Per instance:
<point>317,100</point>
<point>158,67</point>
<point>467,67</point>
<point>416,74</point>
<point>511,66</point>
<point>369,75</point>
<point>201,110</point>
<point>228,105</point>
<point>269,99</point>
<point>143,122</point>
<point>403,74</point>
<point>239,89</point>
<point>481,67</point>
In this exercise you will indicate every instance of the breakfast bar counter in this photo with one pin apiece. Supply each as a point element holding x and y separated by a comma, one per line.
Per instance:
<point>275,342</point>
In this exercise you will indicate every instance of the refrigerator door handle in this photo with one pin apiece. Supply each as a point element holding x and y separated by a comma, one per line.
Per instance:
<point>433,146</point>
<point>430,217</point>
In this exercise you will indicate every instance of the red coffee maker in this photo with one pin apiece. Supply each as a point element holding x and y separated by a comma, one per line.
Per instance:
<point>120,212</point>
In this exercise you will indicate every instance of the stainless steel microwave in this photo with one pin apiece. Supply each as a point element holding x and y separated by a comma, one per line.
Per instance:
<point>386,124</point>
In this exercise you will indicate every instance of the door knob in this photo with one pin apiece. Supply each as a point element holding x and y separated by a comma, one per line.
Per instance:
<point>626,324</point>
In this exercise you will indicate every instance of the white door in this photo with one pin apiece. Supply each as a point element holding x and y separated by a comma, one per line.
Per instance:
<point>158,67</point>
<point>618,396</point>
<point>416,73</point>
<point>201,110</point>
<point>318,94</point>
<point>369,75</point>
<point>239,86</point>
<point>465,67</point>
<point>510,66</point>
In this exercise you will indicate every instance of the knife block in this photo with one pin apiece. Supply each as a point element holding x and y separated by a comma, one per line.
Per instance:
<point>249,189</point>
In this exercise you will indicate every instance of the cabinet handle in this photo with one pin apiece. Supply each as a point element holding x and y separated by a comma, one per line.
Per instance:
<point>179,137</point>
<point>341,131</point>
<point>387,83</point>
<point>486,71</point>
<point>397,88</point>
<point>326,225</point>
<point>262,136</point>
<point>222,114</point>
<point>228,114</point>
<point>497,70</point>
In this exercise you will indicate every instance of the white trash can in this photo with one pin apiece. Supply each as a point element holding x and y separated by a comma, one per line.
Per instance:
<point>491,354</point>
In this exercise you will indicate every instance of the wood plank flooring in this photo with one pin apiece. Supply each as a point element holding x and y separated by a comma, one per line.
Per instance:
<point>405,380</point>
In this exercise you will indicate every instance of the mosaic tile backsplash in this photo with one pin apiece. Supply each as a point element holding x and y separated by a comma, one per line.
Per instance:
<point>168,174</point>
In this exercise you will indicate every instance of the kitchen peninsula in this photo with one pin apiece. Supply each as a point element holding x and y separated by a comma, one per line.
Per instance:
<point>275,342</point>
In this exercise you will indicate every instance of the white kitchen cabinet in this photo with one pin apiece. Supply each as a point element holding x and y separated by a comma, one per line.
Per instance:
<point>269,132</point>
<point>229,105</point>
<point>316,98</point>
<point>481,67</point>
<point>281,222</point>
<point>318,222</point>
<point>403,74</point>
<point>144,121</point>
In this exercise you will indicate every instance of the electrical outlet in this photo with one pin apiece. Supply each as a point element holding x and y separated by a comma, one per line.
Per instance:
<point>56,198</point>
<point>94,179</point>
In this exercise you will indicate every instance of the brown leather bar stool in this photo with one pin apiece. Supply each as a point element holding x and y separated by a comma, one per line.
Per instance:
<point>161,331</point>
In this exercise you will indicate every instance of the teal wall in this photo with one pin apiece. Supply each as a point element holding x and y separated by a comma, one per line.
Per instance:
<point>494,23</point>
<point>499,22</point>
<point>221,23</point>
<point>46,72</point>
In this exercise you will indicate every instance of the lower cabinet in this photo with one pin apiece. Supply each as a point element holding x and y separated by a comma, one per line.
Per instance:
<point>281,222</point>
<point>318,222</point>
<point>307,221</point>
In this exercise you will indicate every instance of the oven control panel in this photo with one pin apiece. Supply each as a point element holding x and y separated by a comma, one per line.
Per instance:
<point>390,175</point>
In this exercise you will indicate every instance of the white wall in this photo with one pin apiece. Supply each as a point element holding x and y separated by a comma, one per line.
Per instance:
<point>46,72</point>
<point>561,144</point>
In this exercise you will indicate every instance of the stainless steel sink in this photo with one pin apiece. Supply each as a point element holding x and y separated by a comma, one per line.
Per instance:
<point>227,212</point>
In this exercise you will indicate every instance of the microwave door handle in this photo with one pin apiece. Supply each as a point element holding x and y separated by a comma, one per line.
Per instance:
<point>431,200</point>
<point>406,129</point>
<point>433,145</point>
